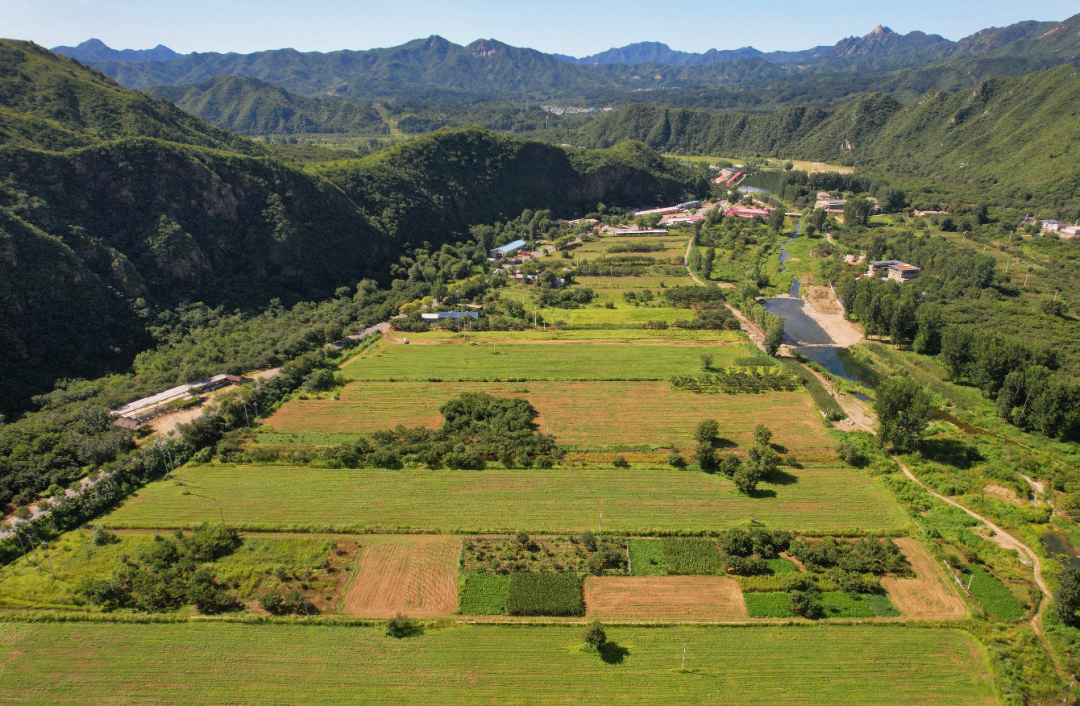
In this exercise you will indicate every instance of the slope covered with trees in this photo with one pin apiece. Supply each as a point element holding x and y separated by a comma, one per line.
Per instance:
<point>142,207</point>
<point>252,107</point>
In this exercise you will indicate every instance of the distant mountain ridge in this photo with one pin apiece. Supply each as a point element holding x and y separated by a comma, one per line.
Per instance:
<point>96,50</point>
<point>437,69</point>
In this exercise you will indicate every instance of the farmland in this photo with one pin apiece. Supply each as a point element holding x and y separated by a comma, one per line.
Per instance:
<point>664,598</point>
<point>93,663</point>
<point>412,575</point>
<point>454,361</point>
<point>576,413</point>
<point>561,499</point>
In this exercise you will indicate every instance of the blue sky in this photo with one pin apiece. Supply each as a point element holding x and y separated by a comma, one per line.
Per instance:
<point>564,26</point>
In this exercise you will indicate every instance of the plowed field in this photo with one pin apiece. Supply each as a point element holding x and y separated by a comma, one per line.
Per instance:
<point>928,596</point>
<point>412,575</point>
<point>663,598</point>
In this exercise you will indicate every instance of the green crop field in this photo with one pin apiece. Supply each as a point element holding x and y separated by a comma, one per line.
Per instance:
<point>646,557</point>
<point>623,313</point>
<point>218,663</point>
<point>992,594</point>
<point>537,361</point>
<point>483,594</point>
<point>545,594</point>
<point>687,556</point>
<point>560,499</point>
<point>576,413</point>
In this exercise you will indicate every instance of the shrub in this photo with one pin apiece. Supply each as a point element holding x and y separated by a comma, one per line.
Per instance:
<point>594,635</point>
<point>675,460</point>
<point>705,457</point>
<point>399,626</point>
<point>102,538</point>
<point>521,538</point>
<point>620,462</point>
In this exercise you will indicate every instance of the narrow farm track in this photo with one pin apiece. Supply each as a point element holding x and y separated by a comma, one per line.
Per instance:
<point>757,336</point>
<point>1006,541</point>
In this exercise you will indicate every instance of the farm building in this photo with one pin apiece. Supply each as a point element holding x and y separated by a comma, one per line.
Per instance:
<point>658,211</point>
<point>634,231</point>
<point>132,414</point>
<point>507,250</point>
<point>898,271</point>
<point>833,206</point>
<point>449,315</point>
<point>739,212</point>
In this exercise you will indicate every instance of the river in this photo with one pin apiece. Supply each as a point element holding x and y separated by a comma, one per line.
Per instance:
<point>809,339</point>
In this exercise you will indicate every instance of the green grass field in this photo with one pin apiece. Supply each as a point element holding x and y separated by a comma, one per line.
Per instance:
<point>549,361</point>
<point>646,557</point>
<point>228,663</point>
<point>605,335</point>
<point>561,499</point>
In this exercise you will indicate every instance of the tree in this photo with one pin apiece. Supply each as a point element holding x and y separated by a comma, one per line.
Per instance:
<point>521,538</point>
<point>747,478</point>
<point>857,212</point>
<point>707,262</point>
<point>1067,596</point>
<point>705,457</point>
<point>762,435</point>
<point>903,318</point>
<point>957,343</point>
<point>620,462</point>
<point>706,361</point>
<point>595,636</point>
<point>818,218</point>
<point>729,465</point>
<point>774,335</point>
<point>676,460</point>
<point>776,220</point>
<point>707,432</point>
<point>903,409</point>
<point>929,320</point>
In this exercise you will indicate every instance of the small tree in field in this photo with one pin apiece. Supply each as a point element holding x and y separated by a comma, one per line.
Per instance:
<point>706,361</point>
<point>595,637</point>
<point>521,538</point>
<point>399,626</point>
<point>762,435</point>
<point>707,432</point>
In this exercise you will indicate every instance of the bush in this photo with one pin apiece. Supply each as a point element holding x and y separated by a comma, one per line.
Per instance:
<point>399,626</point>
<point>594,635</point>
<point>705,457</point>
<point>620,462</point>
<point>675,460</point>
<point>102,538</point>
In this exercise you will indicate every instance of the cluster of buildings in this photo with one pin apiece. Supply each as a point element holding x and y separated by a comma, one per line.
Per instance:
<point>510,251</point>
<point>749,212</point>
<point>898,271</point>
<point>1063,230</point>
<point>570,110</point>
<point>135,415</point>
<point>729,175</point>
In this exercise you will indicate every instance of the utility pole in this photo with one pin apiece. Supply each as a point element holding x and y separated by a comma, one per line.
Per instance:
<point>45,546</point>
<point>222,515</point>
<point>37,559</point>
<point>601,520</point>
<point>21,545</point>
<point>683,657</point>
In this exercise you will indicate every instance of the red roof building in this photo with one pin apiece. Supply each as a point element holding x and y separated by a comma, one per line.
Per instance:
<point>739,212</point>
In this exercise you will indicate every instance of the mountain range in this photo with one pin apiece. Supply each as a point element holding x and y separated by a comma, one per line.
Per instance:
<point>434,68</point>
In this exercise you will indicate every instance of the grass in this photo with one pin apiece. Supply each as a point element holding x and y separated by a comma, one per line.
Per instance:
<point>561,499</point>
<point>303,439</point>
<point>646,557</point>
<point>993,595</point>
<point>630,333</point>
<point>838,604</point>
<point>259,556</point>
<point>623,313</point>
<point>881,605</point>
<point>74,558</point>
<point>545,594</point>
<point>767,605</point>
<point>577,361</point>
<point>576,413</point>
<point>780,565</point>
<point>837,665</point>
<point>483,594</point>
<point>689,556</point>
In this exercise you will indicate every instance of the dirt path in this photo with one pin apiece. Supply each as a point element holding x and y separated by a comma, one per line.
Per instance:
<point>1006,541</point>
<point>757,336</point>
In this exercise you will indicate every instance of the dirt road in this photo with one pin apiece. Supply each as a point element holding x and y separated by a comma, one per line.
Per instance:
<point>757,336</point>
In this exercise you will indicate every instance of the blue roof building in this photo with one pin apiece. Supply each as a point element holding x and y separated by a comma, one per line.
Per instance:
<point>508,249</point>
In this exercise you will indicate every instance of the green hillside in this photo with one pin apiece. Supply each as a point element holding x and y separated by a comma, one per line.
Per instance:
<point>1012,136</point>
<point>141,207</point>
<point>252,107</point>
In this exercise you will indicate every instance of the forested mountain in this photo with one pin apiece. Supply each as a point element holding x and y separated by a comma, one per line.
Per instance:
<point>1013,136</point>
<point>114,205</point>
<point>252,107</point>
<point>422,68</point>
<point>658,53</point>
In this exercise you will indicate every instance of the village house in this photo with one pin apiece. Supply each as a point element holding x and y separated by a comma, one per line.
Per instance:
<point>898,271</point>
